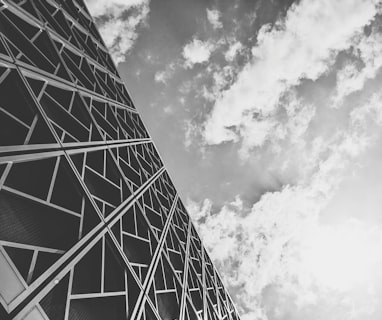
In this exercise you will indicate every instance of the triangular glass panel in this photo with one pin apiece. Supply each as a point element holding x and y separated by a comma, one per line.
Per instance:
<point>21,258</point>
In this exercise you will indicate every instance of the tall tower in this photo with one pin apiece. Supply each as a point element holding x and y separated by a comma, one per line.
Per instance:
<point>91,226</point>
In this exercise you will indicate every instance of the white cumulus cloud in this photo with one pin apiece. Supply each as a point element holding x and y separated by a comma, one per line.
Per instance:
<point>279,242</point>
<point>304,45</point>
<point>118,23</point>
<point>197,51</point>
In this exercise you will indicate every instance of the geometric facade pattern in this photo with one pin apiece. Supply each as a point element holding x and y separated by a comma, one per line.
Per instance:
<point>91,226</point>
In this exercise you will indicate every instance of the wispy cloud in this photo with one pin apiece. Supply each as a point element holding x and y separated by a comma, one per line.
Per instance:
<point>213,17</point>
<point>118,22</point>
<point>233,50</point>
<point>164,75</point>
<point>221,78</point>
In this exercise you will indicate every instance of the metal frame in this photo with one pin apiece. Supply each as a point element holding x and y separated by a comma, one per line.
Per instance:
<point>91,225</point>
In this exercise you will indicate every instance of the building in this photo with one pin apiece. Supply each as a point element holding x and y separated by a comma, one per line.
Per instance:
<point>91,226</point>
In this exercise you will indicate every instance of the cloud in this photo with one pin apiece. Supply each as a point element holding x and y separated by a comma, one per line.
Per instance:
<point>366,62</point>
<point>102,7</point>
<point>233,50</point>
<point>285,54</point>
<point>197,210</point>
<point>213,17</point>
<point>160,76</point>
<point>197,51</point>
<point>220,238</point>
<point>282,130</point>
<point>221,78</point>
<point>118,22</point>
<point>190,130</point>
<point>276,245</point>
<point>168,110</point>
<point>166,74</point>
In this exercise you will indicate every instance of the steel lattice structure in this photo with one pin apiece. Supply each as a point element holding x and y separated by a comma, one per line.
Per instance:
<point>91,226</point>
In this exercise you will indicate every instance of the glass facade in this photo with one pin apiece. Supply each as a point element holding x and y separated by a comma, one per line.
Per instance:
<point>91,226</point>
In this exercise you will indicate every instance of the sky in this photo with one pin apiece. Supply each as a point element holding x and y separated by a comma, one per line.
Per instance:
<point>268,116</point>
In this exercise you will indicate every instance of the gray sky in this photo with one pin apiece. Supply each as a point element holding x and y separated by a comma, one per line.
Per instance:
<point>268,117</point>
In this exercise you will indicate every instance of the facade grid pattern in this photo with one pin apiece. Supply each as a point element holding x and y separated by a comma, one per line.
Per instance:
<point>91,226</point>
